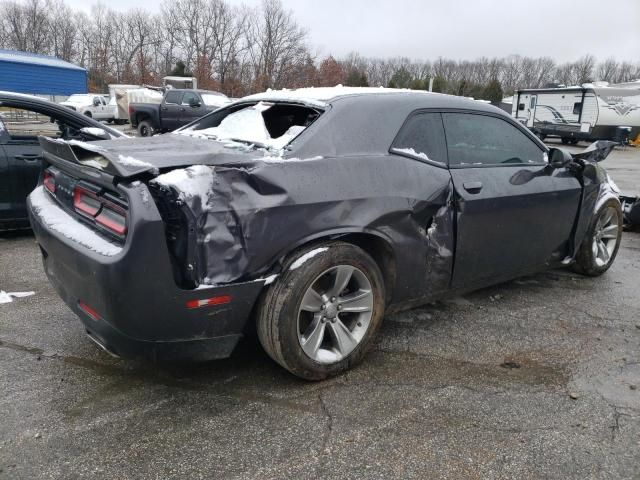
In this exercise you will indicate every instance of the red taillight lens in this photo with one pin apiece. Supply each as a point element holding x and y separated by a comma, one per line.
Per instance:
<point>101,210</point>
<point>86,202</point>
<point>49,182</point>
<point>113,218</point>
<point>205,302</point>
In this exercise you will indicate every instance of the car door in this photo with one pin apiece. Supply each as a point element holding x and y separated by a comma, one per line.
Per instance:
<point>515,213</point>
<point>8,207</point>
<point>171,109</point>
<point>422,139</point>
<point>23,153</point>
<point>193,108</point>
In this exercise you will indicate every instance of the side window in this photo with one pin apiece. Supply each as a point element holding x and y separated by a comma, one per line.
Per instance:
<point>422,136</point>
<point>27,125</point>
<point>173,97</point>
<point>577,107</point>
<point>483,140</point>
<point>188,97</point>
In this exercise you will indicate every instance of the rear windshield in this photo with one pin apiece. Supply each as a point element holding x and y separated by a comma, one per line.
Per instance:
<point>262,124</point>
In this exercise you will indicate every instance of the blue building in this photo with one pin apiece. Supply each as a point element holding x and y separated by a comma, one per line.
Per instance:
<point>42,75</point>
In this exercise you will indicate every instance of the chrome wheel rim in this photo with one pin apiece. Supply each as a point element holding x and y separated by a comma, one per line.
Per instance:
<point>335,314</point>
<point>605,237</point>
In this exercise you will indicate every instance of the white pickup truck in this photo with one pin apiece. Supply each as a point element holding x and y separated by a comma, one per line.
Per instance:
<point>92,105</point>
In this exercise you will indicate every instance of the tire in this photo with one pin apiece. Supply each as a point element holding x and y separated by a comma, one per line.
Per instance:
<point>541,136</point>
<point>565,140</point>
<point>88,114</point>
<point>145,129</point>
<point>283,320</point>
<point>601,242</point>
<point>574,141</point>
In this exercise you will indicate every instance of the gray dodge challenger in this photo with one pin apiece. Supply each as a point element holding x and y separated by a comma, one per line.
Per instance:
<point>308,214</point>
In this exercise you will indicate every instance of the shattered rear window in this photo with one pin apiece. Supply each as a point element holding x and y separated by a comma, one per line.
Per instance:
<point>266,125</point>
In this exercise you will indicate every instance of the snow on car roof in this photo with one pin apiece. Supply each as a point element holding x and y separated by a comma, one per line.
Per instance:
<point>322,95</point>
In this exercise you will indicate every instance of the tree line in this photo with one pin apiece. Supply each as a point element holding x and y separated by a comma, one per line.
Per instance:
<point>240,50</point>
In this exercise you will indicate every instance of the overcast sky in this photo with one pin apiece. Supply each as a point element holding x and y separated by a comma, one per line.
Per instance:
<point>459,29</point>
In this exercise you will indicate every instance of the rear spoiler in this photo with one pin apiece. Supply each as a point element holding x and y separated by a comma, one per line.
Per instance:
<point>90,156</point>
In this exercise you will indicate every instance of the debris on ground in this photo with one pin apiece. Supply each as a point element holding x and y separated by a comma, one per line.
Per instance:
<point>7,297</point>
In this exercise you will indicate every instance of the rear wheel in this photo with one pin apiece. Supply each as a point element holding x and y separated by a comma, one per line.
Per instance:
<point>600,245</point>
<point>88,114</point>
<point>321,315</point>
<point>145,129</point>
<point>565,140</point>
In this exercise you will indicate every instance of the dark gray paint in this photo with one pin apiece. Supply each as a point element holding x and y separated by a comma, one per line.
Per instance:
<point>437,238</point>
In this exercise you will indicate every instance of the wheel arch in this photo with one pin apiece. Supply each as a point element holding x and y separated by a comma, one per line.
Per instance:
<point>374,243</point>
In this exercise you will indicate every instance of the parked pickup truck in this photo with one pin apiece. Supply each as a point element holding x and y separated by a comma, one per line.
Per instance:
<point>178,107</point>
<point>93,105</point>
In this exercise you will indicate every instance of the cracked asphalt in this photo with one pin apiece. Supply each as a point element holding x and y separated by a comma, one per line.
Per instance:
<point>534,378</point>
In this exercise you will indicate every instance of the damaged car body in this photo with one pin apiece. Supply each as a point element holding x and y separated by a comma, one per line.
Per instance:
<point>314,212</point>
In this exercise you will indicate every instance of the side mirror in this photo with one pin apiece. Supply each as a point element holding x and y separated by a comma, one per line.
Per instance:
<point>559,158</point>
<point>96,102</point>
<point>194,103</point>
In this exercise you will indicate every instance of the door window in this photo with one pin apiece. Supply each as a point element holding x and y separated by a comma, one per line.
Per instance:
<point>189,97</point>
<point>27,124</point>
<point>477,140</point>
<point>422,136</point>
<point>173,97</point>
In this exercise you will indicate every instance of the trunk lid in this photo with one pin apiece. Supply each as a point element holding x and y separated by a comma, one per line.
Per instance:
<point>129,157</point>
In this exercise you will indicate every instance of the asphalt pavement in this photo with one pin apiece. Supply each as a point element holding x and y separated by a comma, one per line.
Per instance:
<point>534,378</point>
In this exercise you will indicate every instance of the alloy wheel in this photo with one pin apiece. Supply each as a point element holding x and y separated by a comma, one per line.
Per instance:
<point>335,314</point>
<point>605,236</point>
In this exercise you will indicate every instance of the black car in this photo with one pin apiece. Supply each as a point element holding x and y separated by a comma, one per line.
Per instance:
<point>313,212</point>
<point>22,119</point>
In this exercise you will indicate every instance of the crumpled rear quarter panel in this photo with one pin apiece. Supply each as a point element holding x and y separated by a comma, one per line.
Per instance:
<point>260,212</point>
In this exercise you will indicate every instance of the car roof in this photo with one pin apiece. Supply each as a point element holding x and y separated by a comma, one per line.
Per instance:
<point>323,96</point>
<point>211,92</point>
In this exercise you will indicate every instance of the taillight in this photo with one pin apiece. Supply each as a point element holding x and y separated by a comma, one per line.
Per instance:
<point>49,181</point>
<point>86,202</point>
<point>102,211</point>
<point>113,218</point>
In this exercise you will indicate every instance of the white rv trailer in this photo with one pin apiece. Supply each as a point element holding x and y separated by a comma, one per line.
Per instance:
<point>579,113</point>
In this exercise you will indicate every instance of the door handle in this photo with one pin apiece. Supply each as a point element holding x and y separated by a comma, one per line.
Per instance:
<point>165,109</point>
<point>472,187</point>
<point>29,157</point>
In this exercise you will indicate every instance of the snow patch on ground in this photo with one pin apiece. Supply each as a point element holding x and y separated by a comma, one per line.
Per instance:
<point>60,221</point>
<point>301,261</point>
<point>6,297</point>
<point>194,181</point>
<point>411,151</point>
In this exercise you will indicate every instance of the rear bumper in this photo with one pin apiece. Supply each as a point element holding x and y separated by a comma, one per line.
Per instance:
<point>138,309</point>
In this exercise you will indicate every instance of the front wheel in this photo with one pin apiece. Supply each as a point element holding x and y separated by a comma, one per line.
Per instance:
<point>602,240</point>
<point>321,315</point>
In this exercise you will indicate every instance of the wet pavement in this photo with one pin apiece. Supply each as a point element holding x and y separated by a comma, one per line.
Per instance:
<point>534,378</point>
